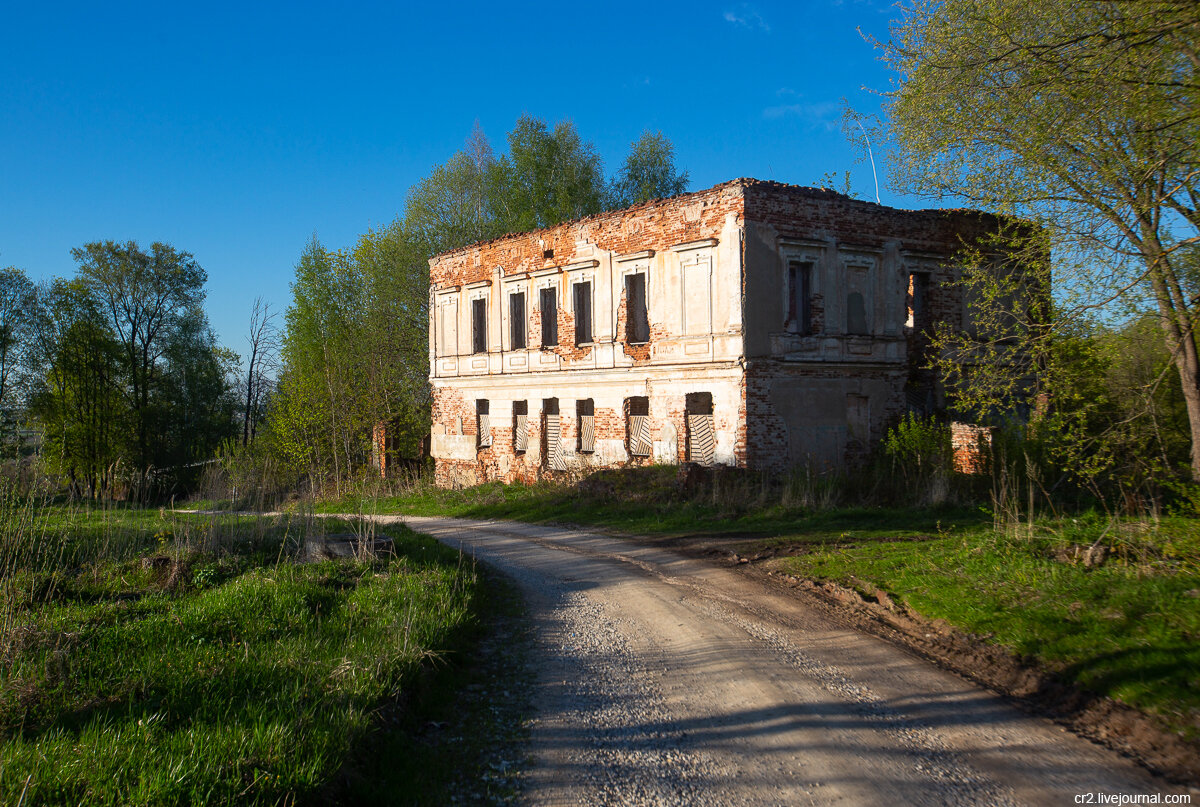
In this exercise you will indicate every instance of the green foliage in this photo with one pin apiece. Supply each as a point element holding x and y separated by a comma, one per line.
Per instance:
<point>920,452</point>
<point>549,176</point>
<point>649,171</point>
<point>1080,117</point>
<point>216,669</point>
<point>129,380</point>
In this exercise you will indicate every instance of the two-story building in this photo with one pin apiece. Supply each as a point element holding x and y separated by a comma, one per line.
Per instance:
<point>754,324</point>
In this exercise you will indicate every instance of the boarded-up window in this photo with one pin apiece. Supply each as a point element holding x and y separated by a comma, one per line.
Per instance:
<point>799,297</point>
<point>856,314</point>
<point>479,325</point>
<point>585,413</point>
<point>583,313</point>
<point>637,321</point>
<point>548,298</point>
<point>483,423</point>
<point>701,436</point>
<point>520,426</point>
<point>552,456</point>
<point>449,327</point>
<point>638,426</point>
<point>517,326</point>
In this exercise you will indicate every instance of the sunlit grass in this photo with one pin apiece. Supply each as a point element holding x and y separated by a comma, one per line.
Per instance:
<point>152,658</point>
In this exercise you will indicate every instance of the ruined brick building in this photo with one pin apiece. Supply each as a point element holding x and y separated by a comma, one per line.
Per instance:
<point>753,324</point>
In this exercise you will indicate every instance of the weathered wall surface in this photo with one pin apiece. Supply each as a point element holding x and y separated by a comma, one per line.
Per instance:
<point>813,381</point>
<point>687,250</point>
<point>460,460</point>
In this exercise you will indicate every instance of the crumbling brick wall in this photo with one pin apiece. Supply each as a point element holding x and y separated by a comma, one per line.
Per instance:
<point>769,429</point>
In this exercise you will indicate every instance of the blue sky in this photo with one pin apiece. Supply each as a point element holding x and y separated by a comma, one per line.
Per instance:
<point>236,132</point>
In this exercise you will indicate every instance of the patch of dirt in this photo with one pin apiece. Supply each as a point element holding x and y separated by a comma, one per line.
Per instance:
<point>1133,733</point>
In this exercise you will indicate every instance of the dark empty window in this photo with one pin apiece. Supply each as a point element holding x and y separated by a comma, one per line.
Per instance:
<point>799,297</point>
<point>856,314</point>
<point>549,304</point>
<point>637,323</point>
<point>699,403</point>
<point>583,313</point>
<point>516,320</point>
<point>479,325</point>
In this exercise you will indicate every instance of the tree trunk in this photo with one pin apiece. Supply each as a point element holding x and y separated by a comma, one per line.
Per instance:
<point>1176,322</point>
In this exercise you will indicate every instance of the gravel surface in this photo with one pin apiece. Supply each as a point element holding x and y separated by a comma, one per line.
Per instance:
<point>663,680</point>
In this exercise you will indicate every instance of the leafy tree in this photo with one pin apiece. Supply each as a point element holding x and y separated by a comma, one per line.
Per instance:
<point>649,171</point>
<point>16,307</point>
<point>79,401</point>
<point>1080,117</point>
<point>144,295</point>
<point>549,176</point>
<point>198,400</point>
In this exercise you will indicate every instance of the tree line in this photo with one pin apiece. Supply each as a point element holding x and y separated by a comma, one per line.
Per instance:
<point>117,368</point>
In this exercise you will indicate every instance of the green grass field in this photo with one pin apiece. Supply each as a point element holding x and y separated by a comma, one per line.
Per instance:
<point>152,658</point>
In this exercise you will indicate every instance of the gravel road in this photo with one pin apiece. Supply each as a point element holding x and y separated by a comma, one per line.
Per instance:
<point>664,680</point>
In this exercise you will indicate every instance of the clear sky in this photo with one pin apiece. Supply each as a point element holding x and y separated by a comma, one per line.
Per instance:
<point>237,131</point>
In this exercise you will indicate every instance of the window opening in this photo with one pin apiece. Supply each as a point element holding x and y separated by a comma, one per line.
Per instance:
<point>552,433</point>
<point>479,325</point>
<point>549,304</point>
<point>701,436</point>
<point>856,314</point>
<point>799,316</point>
<point>516,320</point>
<point>483,423</point>
<point>520,426</point>
<point>637,322</point>
<point>638,426</point>
<point>585,413</point>
<point>918,288</point>
<point>583,313</point>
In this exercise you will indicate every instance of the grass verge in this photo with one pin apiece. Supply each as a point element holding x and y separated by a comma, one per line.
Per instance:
<point>148,658</point>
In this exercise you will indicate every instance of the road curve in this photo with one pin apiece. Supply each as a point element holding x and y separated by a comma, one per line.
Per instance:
<point>664,680</point>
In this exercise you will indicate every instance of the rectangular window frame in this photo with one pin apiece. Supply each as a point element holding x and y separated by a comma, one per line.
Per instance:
<point>637,323</point>
<point>585,434</point>
<point>520,427</point>
<point>483,424</point>
<point>639,441</point>
<point>548,293</point>
<point>518,321</point>
<point>799,296</point>
<point>581,298</point>
<point>479,340</point>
